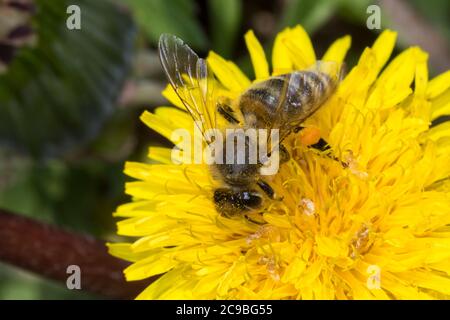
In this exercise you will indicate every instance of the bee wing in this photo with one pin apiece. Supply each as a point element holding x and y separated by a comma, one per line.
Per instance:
<point>306,90</point>
<point>190,78</point>
<point>334,70</point>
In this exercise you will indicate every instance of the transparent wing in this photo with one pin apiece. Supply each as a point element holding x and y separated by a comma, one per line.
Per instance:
<point>303,92</point>
<point>334,70</point>
<point>190,78</point>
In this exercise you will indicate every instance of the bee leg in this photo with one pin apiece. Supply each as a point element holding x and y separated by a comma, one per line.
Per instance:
<point>254,221</point>
<point>321,145</point>
<point>284,154</point>
<point>268,190</point>
<point>227,113</point>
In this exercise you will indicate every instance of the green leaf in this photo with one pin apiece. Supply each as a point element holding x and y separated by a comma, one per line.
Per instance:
<point>311,14</point>
<point>174,16</point>
<point>58,94</point>
<point>225,21</point>
<point>355,11</point>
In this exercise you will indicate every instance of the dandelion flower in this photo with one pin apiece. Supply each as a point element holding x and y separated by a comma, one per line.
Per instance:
<point>367,219</point>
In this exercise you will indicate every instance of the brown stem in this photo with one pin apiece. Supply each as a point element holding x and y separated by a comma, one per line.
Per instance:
<point>48,251</point>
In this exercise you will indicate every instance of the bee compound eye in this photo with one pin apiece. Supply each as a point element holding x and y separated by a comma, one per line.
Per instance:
<point>251,199</point>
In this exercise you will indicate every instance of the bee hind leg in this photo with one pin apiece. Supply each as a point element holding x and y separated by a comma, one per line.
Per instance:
<point>323,146</point>
<point>320,145</point>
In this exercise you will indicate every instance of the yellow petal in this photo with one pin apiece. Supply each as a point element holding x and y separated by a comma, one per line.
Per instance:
<point>427,280</point>
<point>153,122</point>
<point>359,289</point>
<point>338,49</point>
<point>440,106</point>
<point>278,220</point>
<point>438,85</point>
<point>124,251</point>
<point>232,278</point>
<point>259,61</point>
<point>393,85</point>
<point>160,154</point>
<point>440,131</point>
<point>170,94</point>
<point>281,61</point>
<point>401,289</point>
<point>163,285</point>
<point>300,48</point>
<point>330,247</point>
<point>421,77</point>
<point>443,145</point>
<point>294,269</point>
<point>383,47</point>
<point>228,73</point>
<point>144,226</point>
<point>152,265</point>
<point>176,118</point>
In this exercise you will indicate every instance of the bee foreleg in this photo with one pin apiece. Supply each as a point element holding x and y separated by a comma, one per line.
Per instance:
<point>266,188</point>
<point>227,113</point>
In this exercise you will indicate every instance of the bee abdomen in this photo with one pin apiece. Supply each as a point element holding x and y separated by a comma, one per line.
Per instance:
<point>267,92</point>
<point>288,99</point>
<point>307,91</point>
<point>259,103</point>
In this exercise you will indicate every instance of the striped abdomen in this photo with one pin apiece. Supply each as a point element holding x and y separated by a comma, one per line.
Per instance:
<point>287,100</point>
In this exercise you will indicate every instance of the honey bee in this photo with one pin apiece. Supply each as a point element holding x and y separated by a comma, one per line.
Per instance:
<point>281,102</point>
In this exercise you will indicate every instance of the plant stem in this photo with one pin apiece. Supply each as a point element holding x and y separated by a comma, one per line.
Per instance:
<point>48,251</point>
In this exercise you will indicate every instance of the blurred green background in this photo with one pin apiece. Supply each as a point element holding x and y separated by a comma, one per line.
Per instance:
<point>70,100</point>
